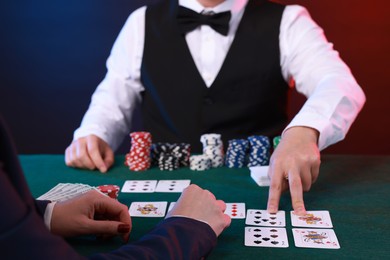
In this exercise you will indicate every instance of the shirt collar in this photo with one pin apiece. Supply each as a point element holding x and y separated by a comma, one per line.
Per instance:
<point>234,6</point>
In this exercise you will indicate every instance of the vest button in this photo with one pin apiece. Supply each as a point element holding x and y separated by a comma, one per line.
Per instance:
<point>208,101</point>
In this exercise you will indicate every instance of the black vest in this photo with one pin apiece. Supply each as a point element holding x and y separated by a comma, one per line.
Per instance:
<point>249,95</point>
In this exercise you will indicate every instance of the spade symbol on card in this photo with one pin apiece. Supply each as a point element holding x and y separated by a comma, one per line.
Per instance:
<point>264,219</point>
<point>257,235</point>
<point>266,238</point>
<point>273,230</point>
<point>273,222</point>
<point>257,241</point>
<point>275,242</point>
<point>257,217</point>
<point>257,222</point>
<point>257,230</point>
<point>274,236</point>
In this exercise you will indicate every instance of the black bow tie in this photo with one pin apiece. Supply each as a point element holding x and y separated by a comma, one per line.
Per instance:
<point>189,20</point>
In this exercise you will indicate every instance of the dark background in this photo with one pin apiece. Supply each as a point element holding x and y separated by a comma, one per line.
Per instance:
<point>53,54</point>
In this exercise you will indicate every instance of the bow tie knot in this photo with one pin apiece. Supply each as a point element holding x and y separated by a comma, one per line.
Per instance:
<point>188,20</point>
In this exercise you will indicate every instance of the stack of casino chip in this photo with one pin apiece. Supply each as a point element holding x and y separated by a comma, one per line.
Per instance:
<point>260,149</point>
<point>236,153</point>
<point>139,157</point>
<point>170,156</point>
<point>168,162</point>
<point>111,191</point>
<point>200,162</point>
<point>276,141</point>
<point>213,148</point>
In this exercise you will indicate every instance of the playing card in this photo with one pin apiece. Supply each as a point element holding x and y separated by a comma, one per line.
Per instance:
<point>313,219</point>
<point>259,217</point>
<point>172,185</point>
<point>266,237</point>
<point>235,210</point>
<point>315,238</point>
<point>171,205</point>
<point>65,191</point>
<point>142,186</point>
<point>260,175</point>
<point>148,209</point>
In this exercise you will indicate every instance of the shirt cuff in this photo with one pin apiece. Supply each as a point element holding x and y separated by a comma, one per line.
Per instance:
<point>48,214</point>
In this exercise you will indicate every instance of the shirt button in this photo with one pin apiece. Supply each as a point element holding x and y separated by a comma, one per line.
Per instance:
<point>208,101</point>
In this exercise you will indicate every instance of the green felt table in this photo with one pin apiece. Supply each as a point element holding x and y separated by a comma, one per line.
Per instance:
<point>355,190</point>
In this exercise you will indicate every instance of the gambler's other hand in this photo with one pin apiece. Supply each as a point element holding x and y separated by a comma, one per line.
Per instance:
<point>200,204</point>
<point>294,165</point>
<point>90,152</point>
<point>91,213</point>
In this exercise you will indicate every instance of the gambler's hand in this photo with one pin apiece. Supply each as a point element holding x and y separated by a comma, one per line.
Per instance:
<point>89,152</point>
<point>200,204</point>
<point>294,165</point>
<point>91,213</point>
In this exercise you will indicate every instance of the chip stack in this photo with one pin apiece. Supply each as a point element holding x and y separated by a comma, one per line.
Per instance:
<point>200,162</point>
<point>259,154</point>
<point>170,156</point>
<point>183,152</point>
<point>276,141</point>
<point>111,191</point>
<point>168,162</point>
<point>236,153</point>
<point>156,150</point>
<point>213,148</point>
<point>139,157</point>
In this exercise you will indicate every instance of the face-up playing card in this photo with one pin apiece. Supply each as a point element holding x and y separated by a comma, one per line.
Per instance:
<point>259,217</point>
<point>315,238</point>
<point>148,209</point>
<point>172,185</point>
<point>235,210</point>
<point>266,237</point>
<point>135,186</point>
<point>313,219</point>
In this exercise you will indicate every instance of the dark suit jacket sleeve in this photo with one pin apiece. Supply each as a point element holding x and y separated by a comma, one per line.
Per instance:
<point>173,238</point>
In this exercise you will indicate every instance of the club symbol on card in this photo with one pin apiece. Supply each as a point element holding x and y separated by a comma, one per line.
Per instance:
<point>310,219</point>
<point>147,209</point>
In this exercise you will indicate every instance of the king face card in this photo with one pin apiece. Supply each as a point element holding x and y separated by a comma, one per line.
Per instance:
<point>148,209</point>
<point>315,238</point>
<point>235,210</point>
<point>266,237</point>
<point>313,219</point>
<point>259,217</point>
<point>144,186</point>
<point>172,185</point>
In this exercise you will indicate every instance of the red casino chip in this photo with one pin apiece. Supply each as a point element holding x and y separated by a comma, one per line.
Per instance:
<point>111,191</point>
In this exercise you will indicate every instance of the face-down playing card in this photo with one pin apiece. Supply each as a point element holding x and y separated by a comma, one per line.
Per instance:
<point>141,186</point>
<point>315,238</point>
<point>148,209</point>
<point>259,217</point>
<point>266,237</point>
